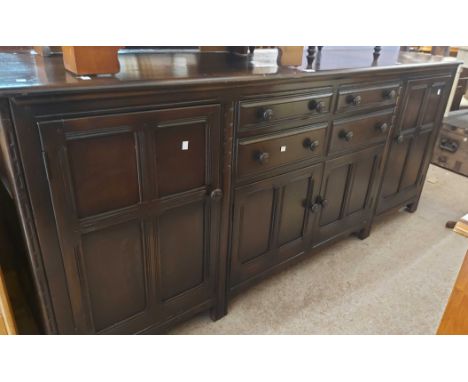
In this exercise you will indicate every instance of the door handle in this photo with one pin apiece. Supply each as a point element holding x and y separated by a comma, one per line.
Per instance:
<point>216,194</point>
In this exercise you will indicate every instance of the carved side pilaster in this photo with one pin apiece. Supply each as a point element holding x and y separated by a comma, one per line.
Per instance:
<point>23,206</point>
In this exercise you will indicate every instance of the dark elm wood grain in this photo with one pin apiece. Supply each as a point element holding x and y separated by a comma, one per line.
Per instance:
<point>130,230</point>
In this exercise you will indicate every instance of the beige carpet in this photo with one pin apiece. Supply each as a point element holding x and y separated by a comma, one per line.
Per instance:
<point>397,281</point>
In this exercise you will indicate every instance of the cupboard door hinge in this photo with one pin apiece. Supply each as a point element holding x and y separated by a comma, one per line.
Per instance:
<point>45,159</point>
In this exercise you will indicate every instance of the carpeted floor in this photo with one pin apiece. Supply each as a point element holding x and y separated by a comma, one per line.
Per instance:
<point>397,281</point>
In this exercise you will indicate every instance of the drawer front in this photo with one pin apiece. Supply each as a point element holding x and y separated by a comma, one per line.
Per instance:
<point>350,133</point>
<point>264,112</point>
<point>356,98</point>
<point>260,154</point>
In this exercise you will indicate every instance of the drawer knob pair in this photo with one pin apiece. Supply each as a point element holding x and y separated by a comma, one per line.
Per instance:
<point>262,157</point>
<point>310,144</point>
<point>354,100</point>
<point>319,203</point>
<point>318,106</point>
<point>389,94</point>
<point>265,114</point>
<point>346,135</point>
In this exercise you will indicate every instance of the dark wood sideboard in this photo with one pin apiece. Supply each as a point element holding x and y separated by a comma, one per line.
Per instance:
<point>152,195</point>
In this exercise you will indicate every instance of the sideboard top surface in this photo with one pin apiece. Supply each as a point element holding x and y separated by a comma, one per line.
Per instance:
<point>24,73</point>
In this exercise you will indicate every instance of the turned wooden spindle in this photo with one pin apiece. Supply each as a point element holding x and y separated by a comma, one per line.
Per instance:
<point>377,50</point>
<point>310,56</point>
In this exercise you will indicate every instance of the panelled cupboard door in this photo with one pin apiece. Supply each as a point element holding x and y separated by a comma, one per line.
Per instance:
<point>272,221</point>
<point>136,201</point>
<point>347,193</point>
<point>409,152</point>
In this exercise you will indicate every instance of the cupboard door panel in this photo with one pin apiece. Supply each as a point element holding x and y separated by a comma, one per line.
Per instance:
<point>181,157</point>
<point>272,221</point>
<point>414,162</point>
<point>348,189</point>
<point>334,193</point>
<point>256,216</point>
<point>361,185</point>
<point>104,172</point>
<point>409,153</point>
<point>185,148</point>
<point>413,106</point>
<point>132,257</point>
<point>395,165</point>
<point>114,265</point>
<point>293,213</point>
<point>434,102</point>
<point>181,248</point>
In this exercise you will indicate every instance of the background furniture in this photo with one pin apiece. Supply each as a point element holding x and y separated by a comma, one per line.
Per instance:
<point>461,90</point>
<point>7,321</point>
<point>451,150</point>
<point>148,197</point>
<point>455,318</point>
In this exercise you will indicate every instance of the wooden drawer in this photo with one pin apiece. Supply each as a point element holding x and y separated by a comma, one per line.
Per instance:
<point>257,155</point>
<point>268,111</point>
<point>350,133</point>
<point>356,98</point>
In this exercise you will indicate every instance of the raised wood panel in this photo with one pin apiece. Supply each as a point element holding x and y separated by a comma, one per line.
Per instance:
<point>434,102</point>
<point>413,106</point>
<point>181,156</point>
<point>126,265</point>
<point>272,221</point>
<point>185,148</point>
<point>414,161</point>
<point>348,187</point>
<point>361,184</point>
<point>255,222</point>
<point>182,248</point>
<point>104,171</point>
<point>115,270</point>
<point>293,214</point>
<point>334,193</point>
<point>410,151</point>
<point>395,165</point>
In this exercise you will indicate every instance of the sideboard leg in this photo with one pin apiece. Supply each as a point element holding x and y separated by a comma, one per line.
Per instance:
<point>218,312</point>
<point>364,233</point>
<point>412,207</point>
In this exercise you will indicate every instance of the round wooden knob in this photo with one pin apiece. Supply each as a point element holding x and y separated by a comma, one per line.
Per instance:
<point>266,114</point>
<point>399,138</point>
<point>383,127</point>
<point>389,94</point>
<point>318,106</point>
<point>314,207</point>
<point>216,194</point>
<point>310,144</point>
<point>262,157</point>
<point>346,135</point>
<point>324,202</point>
<point>354,100</point>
